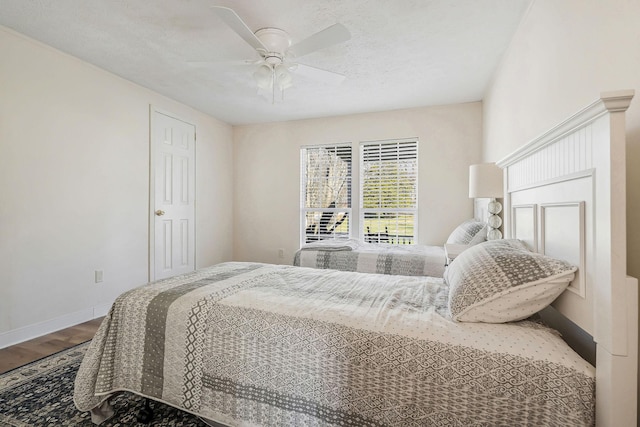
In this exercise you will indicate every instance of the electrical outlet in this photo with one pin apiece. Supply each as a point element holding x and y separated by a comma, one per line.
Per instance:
<point>280,253</point>
<point>99,275</point>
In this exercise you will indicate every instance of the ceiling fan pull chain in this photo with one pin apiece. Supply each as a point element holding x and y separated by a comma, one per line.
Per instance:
<point>273,85</point>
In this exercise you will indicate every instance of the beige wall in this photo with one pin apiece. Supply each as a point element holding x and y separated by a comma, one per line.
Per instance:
<point>74,178</point>
<point>563,56</point>
<point>267,172</point>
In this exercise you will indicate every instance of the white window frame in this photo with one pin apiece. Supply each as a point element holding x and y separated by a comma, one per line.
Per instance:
<point>384,237</point>
<point>321,210</point>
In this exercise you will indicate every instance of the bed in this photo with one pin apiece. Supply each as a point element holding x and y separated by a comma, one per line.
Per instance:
<point>258,344</point>
<point>385,258</point>
<point>288,345</point>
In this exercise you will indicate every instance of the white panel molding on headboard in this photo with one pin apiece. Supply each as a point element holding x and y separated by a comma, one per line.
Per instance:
<point>562,235</point>
<point>577,172</point>
<point>524,224</point>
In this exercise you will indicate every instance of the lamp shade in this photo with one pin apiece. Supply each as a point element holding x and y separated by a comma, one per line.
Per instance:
<point>485,180</point>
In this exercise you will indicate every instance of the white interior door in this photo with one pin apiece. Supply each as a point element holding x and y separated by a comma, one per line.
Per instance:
<point>173,154</point>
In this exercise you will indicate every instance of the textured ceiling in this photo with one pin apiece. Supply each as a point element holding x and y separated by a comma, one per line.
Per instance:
<point>402,53</point>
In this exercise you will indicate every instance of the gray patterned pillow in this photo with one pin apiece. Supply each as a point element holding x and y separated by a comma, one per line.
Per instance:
<point>480,236</point>
<point>502,281</point>
<point>465,232</point>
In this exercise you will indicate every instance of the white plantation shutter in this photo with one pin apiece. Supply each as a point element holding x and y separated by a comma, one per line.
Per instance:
<point>389,191</point>
<point>325,192</point>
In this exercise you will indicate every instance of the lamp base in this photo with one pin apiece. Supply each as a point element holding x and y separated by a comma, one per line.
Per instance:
<point>494,207</point>
<point>494,234</point>
<point>494,221</point>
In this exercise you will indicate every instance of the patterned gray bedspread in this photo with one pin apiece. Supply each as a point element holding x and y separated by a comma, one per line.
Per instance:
<point>405,260</point>
<point>262,345</point>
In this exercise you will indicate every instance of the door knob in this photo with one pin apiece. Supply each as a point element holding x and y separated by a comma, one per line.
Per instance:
<point>159,212</point>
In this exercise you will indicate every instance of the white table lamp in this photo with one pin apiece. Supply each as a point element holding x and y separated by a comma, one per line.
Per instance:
<point>485,181</point>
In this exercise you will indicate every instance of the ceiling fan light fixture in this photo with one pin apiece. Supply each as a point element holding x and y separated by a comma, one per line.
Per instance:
<point>283,77</point>
<point>264,77</point>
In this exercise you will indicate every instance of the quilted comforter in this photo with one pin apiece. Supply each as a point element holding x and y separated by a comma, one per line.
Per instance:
<point>405,260</point>
<point>263,345</point>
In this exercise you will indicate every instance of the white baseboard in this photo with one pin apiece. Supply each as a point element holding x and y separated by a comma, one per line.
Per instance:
<point>36,330</point>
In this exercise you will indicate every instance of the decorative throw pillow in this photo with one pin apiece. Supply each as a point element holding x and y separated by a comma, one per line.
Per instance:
<point>502,281</point>
<point>464,233</point>
<point>481,236</point>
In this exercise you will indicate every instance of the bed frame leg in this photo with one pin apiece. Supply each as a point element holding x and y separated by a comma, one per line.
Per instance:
<point>146,414</point>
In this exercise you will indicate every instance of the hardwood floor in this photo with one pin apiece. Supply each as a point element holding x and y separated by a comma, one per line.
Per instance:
<point>29,351</point>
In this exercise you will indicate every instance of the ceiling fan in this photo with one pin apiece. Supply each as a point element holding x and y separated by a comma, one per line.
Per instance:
<point>278,55</point>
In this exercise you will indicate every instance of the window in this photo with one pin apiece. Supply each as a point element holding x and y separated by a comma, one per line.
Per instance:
<point>389,182</point>
<point>326,192</point>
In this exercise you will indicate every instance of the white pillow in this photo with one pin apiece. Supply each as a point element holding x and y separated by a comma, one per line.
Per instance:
<point>466,232</point>
<point>502,281</point>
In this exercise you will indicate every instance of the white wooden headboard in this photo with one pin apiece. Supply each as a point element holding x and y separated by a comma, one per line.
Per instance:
<point>565,195</point>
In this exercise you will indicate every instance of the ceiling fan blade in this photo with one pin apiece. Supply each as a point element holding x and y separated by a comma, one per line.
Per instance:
<point>222,63</point>
<point>334,34</point>
<point>318,74</point>
<point>231,18</point>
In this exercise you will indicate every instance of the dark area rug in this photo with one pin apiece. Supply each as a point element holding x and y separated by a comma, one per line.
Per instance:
<point>41,394</point>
